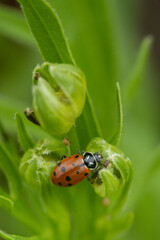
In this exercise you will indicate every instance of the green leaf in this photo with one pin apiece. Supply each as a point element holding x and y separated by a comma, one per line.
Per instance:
<point>139,68</point>
<point>111,183</point>
<point>117,136</point>
<point>122,194</point>
<point>8,108</point>
<point>6,203</point>
<point>15,237</point>
<point>50,38</point>
<point>13,25</point>
<point>10,171</point>
<point>24,139</point>
<point>10,143</point>
<point>2,192</point>
<point>47,31</point>
<point>87,124</point>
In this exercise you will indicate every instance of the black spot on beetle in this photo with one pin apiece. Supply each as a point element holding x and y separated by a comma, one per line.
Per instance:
<point>69,184</point>
<point>63,169</point>
<point>73,164</point>
<point>82,164</point>
<point>54,173</point>
<point>86,174</point>
<point>60,184</point>
<point>77,172</point>
<point>76,156</point>
<point>59,164</point>
<point>68,178</point>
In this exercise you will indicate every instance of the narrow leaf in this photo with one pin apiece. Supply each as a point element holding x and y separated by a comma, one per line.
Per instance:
<point>117,136</point>
<point>87,124</point>
<point>6,203</point>
<point>13,25</point>
<point>8,108</point>
<point>15,237</point>
<point>10,171</point>
<point>47,31</point>
<point>139,68</point>
<point>53,46</point>
<point>10,143</point>
<point>24,139</point>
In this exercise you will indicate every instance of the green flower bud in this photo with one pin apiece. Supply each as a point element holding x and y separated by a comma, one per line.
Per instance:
<point>59,92</point>
<point>115,171</point>
<point>37,164</point>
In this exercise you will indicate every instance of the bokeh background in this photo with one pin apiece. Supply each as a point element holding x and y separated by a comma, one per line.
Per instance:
<point>105,38</point>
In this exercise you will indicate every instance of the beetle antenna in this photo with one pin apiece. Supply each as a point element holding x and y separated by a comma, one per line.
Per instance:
<point>78,152</point>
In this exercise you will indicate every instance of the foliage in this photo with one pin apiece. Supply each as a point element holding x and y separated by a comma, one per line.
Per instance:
<point>46,211</point>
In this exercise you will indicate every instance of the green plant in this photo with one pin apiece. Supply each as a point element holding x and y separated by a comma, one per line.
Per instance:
<point>36,203</point>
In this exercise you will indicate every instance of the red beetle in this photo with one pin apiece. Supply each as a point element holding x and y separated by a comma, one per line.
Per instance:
<point>72,170</point>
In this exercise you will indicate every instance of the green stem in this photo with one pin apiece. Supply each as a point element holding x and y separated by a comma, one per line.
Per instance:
<point>74,141</point>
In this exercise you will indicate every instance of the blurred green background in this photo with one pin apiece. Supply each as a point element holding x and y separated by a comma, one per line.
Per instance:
<point>105,38</point>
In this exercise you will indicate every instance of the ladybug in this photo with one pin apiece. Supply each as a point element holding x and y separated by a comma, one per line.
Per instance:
<point>72,170</point>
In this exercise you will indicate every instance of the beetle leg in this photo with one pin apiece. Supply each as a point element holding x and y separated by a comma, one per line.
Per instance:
<point>106,163</point>
<point>94,175</point>
<point>64,156</point>
<point>95,172</point>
